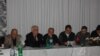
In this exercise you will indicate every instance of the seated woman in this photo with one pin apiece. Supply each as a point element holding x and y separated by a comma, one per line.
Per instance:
<point>82,35</point>
<point>51,37</point>
<point>12,39</point>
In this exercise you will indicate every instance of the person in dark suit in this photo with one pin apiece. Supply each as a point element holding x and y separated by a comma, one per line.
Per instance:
<point>96,33</point>
<point>95,36</point>
<point>66,35</point>
<point>82,36</point>
<point>51,36</point>
<point>34,38</point>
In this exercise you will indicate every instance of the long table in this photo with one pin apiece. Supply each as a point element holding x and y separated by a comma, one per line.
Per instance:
<point>75,51</point>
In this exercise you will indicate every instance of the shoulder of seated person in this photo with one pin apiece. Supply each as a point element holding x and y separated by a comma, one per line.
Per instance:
<point>8,35</point>
<point>88,32</point>
<point>54,35</point>
<point>72,33</point>
<point>28,34</point>
<point>94,31</point>
<point>78,33</point>
<point>63,32</point>
<point>46,34</point>
<point>39,33</point>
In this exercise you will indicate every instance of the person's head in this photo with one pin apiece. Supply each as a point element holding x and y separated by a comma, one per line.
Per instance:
<point>35,29</point>
<point>51,31</point>
<point>68,29</point>
<point>14,32</point>
<point>98,29</point>
<point>84,29</point>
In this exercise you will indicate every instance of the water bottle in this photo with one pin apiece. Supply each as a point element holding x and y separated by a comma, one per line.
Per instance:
<point>12,52</point>
<point>20,49</point>
<point>49,43</point>
<point>1,53</point>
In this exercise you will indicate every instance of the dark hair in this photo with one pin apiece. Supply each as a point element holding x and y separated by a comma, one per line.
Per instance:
<point>98,27</point>
<point>14,30</point>
<point>68,26</point>
<point>84,27</point>
<point>51,28</point>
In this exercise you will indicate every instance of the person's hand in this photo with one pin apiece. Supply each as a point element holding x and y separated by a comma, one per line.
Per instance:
<point>94,39</point>
<point>78,39</point>
<point>91,38</point>
<point>2,46</point>
<point>65,43</point>
<point>87,38</point>
<point>56,45</point>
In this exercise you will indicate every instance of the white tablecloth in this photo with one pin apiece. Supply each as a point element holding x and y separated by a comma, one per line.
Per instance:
<point>76,51</point>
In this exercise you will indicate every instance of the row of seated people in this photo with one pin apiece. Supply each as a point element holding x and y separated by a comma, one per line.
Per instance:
<point>67,37</point>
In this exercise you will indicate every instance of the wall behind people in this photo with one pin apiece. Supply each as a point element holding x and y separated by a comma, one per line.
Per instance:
<point>99,10</point>
<point>22,14</point>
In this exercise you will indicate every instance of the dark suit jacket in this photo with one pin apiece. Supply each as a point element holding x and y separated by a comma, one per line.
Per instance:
<point>63,38</point>
<point>94,34</point>
<point>54,37</point>
<point>32,42</point>
<point>82,37</point>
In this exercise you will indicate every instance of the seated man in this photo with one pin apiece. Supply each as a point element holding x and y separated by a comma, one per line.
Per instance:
<point>51,37</point>
<point>12,39</point>
<point>34,38</point>
<point>82,35</point>
<point>95,35</point>
<point>67,36</point>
